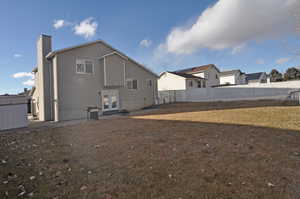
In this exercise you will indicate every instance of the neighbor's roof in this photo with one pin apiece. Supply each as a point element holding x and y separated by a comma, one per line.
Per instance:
<point>197,69</point>
<point>53,53</point>
<point>253,76</point>
<point>189,76</point>
<point>230,72</point>
<point>35,69</point>
<point>31,91</point>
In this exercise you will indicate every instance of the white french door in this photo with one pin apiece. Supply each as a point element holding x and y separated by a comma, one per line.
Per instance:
<point>110,100</point>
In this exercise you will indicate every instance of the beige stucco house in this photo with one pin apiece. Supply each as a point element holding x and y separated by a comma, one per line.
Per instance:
<point>232,77</point>
<point>94,74</point>
<point>209,72</point>
<point>195,77</point>
<point>179,81</point>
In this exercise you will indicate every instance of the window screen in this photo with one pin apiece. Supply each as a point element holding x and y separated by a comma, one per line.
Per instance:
<point>149,83</point>
<point>134,84</point>
<point>129,84</point>
<point>89,67</point>
<point>80,66</point>
<point>84,66</point>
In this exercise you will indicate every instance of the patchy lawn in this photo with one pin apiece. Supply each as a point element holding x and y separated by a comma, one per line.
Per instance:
<point>229,150</point>
<point>260,113</point>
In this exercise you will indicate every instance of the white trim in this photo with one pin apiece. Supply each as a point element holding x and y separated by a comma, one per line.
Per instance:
<point>147,83</point>
<point>104,68</point>
<point>113,53</point>
<point>127,80</point>
<point>51,54</point>
<point>110,94</point>
<point>137,84</point>
<point>84,66</point>
<point>124,73</point>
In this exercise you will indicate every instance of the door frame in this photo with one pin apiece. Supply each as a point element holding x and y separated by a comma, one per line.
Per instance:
<point>110,93</point>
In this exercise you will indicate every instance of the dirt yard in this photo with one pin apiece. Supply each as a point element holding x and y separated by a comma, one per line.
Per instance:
<point>232,150</point>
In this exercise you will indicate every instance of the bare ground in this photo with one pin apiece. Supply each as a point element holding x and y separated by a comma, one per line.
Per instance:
<point>229,150</point>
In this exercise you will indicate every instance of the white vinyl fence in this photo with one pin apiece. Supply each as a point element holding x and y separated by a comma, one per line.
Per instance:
<point>284,84</point>
<point>13,112</point>
<point>295,95</point>
<point>225,94</point>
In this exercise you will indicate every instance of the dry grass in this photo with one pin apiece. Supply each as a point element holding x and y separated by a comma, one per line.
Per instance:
<point>282,117</point>
<point>178,151</point>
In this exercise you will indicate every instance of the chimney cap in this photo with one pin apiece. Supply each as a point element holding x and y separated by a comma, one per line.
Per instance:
<point>44,35</point>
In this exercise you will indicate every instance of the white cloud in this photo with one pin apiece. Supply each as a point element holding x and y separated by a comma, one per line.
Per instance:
<point>17,55</point>
<point>29,82</point>
<point>86,28</point>
<point>231,23</point>
<point>238,49</point>
<point>22,75</point>
<point>145,43</point>
<point>282,60</point>
<point>260,61</point>
<point>60,23</point>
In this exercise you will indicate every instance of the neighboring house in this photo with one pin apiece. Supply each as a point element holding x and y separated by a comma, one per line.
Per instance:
<point>94,74</point>
<point>179,81</point>
<point>209,72</point>
<point>256,78</point>
<point>232,77</point>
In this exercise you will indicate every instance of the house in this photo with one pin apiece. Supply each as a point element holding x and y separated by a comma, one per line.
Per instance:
<point>232,77</point>
<point>94,74</point>
<point>13,111</point>
<point>179,81</point>
<point>208,72</point>
<point>260,77</point>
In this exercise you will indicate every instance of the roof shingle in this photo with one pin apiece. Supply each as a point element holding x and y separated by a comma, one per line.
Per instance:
<point>190,76</point>
<point>197,69</point>
<point>253,76</point>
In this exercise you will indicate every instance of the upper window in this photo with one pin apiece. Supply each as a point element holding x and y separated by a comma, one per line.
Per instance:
<point>191,83</point>
<point>132,84</point>
<point>217,77</point>
<point>149,83</point>
<point>84,66</point>
<point>199,84</point>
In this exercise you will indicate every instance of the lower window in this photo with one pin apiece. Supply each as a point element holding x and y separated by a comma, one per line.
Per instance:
<point>106,102</point>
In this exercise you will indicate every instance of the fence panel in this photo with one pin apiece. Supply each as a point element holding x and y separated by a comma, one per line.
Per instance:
<point>224,94</point>
<point>13,112</point>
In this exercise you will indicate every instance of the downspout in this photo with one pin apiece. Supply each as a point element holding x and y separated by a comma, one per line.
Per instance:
<point>55,89</point>
<point>51,90</point>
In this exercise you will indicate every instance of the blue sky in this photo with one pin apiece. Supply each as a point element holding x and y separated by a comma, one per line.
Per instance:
<point>174,34</point>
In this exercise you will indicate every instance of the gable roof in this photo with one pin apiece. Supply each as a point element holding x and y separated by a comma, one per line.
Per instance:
<point>197,69</point>
<point>188,76</point>
<point>53,53</point>
<point>254,76</point>
<point>230,72</point>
